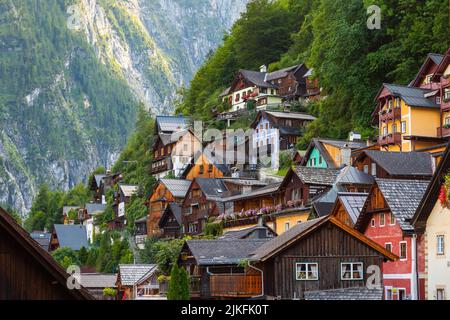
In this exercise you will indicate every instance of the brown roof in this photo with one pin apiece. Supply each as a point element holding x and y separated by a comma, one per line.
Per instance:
<point>301,230</point>
<point>39,255</point>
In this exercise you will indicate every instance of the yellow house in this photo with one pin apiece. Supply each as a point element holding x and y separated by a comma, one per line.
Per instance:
<point>286,219</point>
<point>432,219</point>
<point>408,118</point>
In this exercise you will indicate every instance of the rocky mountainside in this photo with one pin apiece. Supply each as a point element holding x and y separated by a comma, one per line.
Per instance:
<point>72,73</point>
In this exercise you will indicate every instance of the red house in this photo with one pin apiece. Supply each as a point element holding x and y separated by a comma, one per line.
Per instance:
<point>386,219</point>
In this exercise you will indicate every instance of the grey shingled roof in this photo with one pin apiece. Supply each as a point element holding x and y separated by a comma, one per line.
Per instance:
<point>71,236</point>
<point>269,189</point>
<point>344,143</point>
<point>98,280</point>
<point>244,233</point>
<point>353,203</point>
<point>177,187</point>
<point>257,78</point>
<point>320,176</point>
<point>411,95</point>
<point>223,252</point>
<point>351,175</point>
<point>272,245</point>
<point>281,73</point>
<point>437,58</point>
<point>356,293</point>
<point>98,178</point>
<point>171,123</point>
<point>94,208</point>
<point>403,163</point>
<point>42,238</point>
<point>128,190</point>
<point>403,198</point>
<point>212,187</point>
<point>166,138</point>
<point>175,208</point>
<point>291,115</point>
<point>130,274</point>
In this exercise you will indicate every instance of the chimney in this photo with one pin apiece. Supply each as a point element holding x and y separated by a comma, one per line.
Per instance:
<point>263,68</point>
<point>260,220</point>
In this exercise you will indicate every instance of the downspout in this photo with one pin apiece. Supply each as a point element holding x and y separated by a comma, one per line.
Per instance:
<point>414,272</point>
<point>262,279</point>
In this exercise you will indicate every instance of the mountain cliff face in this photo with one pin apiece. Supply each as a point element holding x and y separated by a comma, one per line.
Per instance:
<point>73,72</point>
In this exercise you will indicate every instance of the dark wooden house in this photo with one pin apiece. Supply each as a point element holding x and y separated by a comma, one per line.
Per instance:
<point>217,268</point>
<point>201,203</point>
<point>171,223</point>
<point>27,271</point>
<point>319,254</point>
<point>395,165</point>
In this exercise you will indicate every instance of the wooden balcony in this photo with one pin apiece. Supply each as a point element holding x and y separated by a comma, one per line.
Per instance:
<point>390,139</point>
<point>443,132</point>
<point>235,285</point>
<point>391,115</point>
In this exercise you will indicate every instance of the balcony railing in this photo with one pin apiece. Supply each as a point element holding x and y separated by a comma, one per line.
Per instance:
<point>391,115</point>
<point>443,132</point>
<point>392,138</point>
<point>235,285</point>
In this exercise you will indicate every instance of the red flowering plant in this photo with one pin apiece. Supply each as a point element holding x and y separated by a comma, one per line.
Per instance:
<point>444,192</point>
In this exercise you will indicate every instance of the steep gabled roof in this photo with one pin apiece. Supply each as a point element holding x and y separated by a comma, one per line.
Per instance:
<point>431,57</point>
<point>222,252</point>
<point>353,203</point>
<point>257,78</point>
<point>282,73</point>
<point>38,255</point>
<point>351,175</point>
<point>177,187</point>
<point>282,115</point>
<point>267,190</point>
<point>414,97</point>
<point>317,176</point>
<point>212,188</point>
<point>131,274</point>
<point>71,236</point>
<point>247,232</point>
<point>169,124</point>
<point>98,179</point>
<point>402,197</point>
<point>301,230</point>
<point>431,195</point>
<point>175,208</point>
<point>402,163</point>
<point>42,238</point>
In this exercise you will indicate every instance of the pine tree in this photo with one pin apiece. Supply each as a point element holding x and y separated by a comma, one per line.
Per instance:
<point>173,293</point>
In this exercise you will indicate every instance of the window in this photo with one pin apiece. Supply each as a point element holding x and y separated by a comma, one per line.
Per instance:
<point>320,159</point>
<point>388,246</point>
<point>447,121</point>
<point>389,294</point>
<point>390,104</point>
<point>391,219</point>
<point>403,126</point>
<point>447,94</point>
<point>299,221</point>
<point>440,294</point>
<point>156,154</point>
<point>374,169</point>
<point>382,219</point>
<point>307,271</point>
<point>210,168</point>
<point>403,255</point>
<point>394,128</point>
<point>238,97</point>
<point>401,294</point>
<point>366,168</point>
<point>352,271</point>
<point>438,100</point>
<point>372,223</point>
<point>286,226</point>
<point>398,103</point>
<point>440,245</point>
<point>428,78</point>
<point>385,131</point>
<point>202,169</point>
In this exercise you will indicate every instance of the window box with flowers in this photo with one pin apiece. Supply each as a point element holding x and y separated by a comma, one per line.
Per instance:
<point>444,193</point>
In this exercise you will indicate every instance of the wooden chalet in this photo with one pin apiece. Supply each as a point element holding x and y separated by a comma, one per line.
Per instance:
<point>386,219</point>
<point>140,233</point>
<point>201,203</point>
<point>329,153</point>
<point>165,191</point>
<point>217,271</point>
<point>97,187</point>
<point>42,238</point>
<point>395,165</point>
<point>440,79</point>
<point>313,90</point>
<point>204,166</point>
<point>137,281</point>
<point>348,206</point>
<point>171,221</point>
<point>320,254</point>
<point>28,272</point>
<point>432,221</point>
<point>305,183</point>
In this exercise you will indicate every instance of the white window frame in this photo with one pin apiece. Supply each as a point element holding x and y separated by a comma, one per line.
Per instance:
<point>382,214</point>
<point>373,168</point>
<point>372,223</point>
<point>438,246</point>
<point>297,264</point>
<point>403,126</point>
<point>390,219</point>
<point>287,226</point>
<point>352,270</point>
<point>388,243</point>
<point>366,169</point>
<point>388,288</point>
<point>400,250</point>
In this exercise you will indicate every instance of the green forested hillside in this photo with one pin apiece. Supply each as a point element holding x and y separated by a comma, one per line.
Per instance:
<point>330,36</point>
